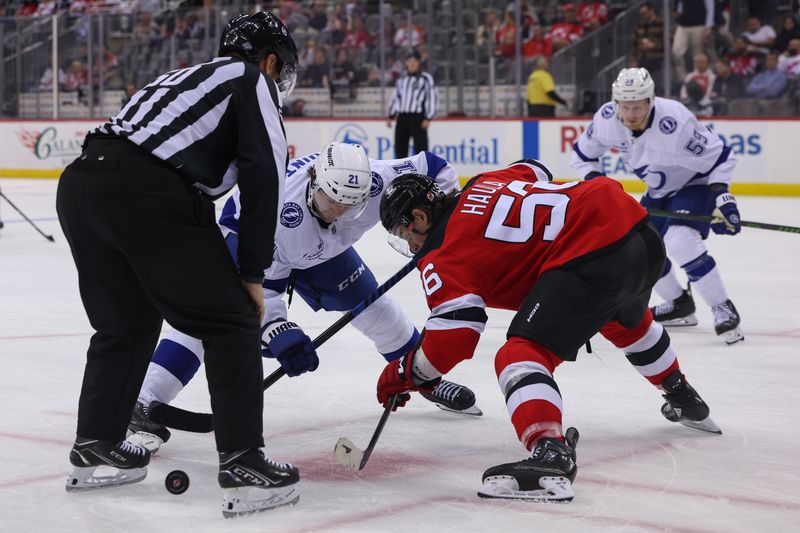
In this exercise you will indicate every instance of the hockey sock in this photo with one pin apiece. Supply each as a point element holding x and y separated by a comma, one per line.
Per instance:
<point>173,365</point>
<point>385,324</point>
<point>706,281</point>
<point>668,286</point>
<point>647,347</point>
<point>525,372</point>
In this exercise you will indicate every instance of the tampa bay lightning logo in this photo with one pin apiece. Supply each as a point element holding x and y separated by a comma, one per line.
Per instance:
<point>291,215</point>
<point>667,125</point>
<point>377,185</point>
<point>352,133</point>
<point>590,131</point>
<point>608,111</point>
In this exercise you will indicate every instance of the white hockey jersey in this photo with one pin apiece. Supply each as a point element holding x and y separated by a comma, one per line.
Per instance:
<point>302,242</point>
<point>675,150</point>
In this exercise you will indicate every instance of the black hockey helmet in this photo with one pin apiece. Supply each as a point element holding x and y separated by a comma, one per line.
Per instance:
<point>404,194</point>
<point>254,36</point>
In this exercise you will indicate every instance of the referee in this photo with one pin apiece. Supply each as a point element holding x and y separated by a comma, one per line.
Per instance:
<point>414,105</point>
<point>136,208</point>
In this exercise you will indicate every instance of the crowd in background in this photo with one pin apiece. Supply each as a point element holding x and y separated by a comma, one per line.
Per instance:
<point>339,44</point>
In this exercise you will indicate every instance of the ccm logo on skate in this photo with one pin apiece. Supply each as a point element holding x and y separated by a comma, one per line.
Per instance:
<point>352,277</point>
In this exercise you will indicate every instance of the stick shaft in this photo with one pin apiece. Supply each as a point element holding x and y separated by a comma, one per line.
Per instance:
<point>378,430</point>
<point>32,223</point>
<point>705,218</point>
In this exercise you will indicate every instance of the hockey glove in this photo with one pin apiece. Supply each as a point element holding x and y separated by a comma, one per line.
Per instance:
<point>398,378</point>
<point>726,219</point>
<point>290,345</point>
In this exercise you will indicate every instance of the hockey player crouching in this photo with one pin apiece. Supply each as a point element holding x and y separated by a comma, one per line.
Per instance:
<point>687,169</point>
<point>552,252</point>
<point>332,198</point>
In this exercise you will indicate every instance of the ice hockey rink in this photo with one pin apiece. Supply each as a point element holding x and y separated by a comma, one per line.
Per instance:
<point>637,472</point>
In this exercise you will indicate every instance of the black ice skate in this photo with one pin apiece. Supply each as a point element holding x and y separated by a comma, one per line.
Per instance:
<point>453,397</point>
<point>678,312</point>
<point>726,322</point>
<point>144,432</point>
<point>546,476</point>
<point>254,483</point>
<point>684,405</point>
<point>87,455</point>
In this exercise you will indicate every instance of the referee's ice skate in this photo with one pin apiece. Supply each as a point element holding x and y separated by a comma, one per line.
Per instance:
<point>253,483</point>
<point>545,476</point>
<point>87,455</point>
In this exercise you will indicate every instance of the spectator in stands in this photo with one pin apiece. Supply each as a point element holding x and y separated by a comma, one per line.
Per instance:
<point>743,62</point>
<point>76,78</point>
<point>789,61</point>
<point>337,24</point>
<point>343,77</point>
<point>702,75</point>
<point>356,37</point>
<point>306,55</point>
<point>542,96</point>
<point>408,35</point>
<point>769,83</point>
<point>28,9</point>
<point>130,90</point>
<point>539,43</point>
<point>146,30</point>
<point>487,30</point>
<point>318,16</point>
<point>373,76</point>
<point>727,86</point>
<point>592,14</point>
<point>693,33</point>
<point>761,36</point>
<point>506,36</point>
<point>789,31</point>
<point>697,101</point>
<point>46,81</point>
<point>648,42</point>
<point>568,31</point>
<point>317,74</point>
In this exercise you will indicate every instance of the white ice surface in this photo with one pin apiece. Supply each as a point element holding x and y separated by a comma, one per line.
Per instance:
<point>637,472</point>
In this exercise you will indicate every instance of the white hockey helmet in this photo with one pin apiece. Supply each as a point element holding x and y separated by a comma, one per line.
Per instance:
<point>343,177</point>
<point>633,84</point>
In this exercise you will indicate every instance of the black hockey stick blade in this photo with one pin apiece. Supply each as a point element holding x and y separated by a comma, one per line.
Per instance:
<point>181,419</point>
<point>351,456</point>
<point>177,418</point>
<point>705,218</point>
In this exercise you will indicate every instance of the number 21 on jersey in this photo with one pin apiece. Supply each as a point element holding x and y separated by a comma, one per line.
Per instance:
<point>526,195</point>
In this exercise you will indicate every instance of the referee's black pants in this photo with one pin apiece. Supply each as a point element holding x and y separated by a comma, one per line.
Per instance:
<point>147,248</point>
<point>409,125</point>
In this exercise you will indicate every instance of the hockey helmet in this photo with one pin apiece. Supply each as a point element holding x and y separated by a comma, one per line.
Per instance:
<point>341,176</point>
<point>254,36</point>
<point>633,84</point>
<point>403,195</point>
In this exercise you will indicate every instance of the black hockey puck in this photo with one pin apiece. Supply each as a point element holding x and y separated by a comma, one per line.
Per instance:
<point>177,482</point>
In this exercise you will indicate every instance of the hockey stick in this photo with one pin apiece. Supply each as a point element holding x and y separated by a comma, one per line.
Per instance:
<point>46,236</point>
<point>177,418</point>
<point>706,218</point>
<point>351,456</point>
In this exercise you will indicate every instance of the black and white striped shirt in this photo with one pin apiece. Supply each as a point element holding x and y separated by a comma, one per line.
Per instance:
<point>414,93</point>
<point>218,124</point>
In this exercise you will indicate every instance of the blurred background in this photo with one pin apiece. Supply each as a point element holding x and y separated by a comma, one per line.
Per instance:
<point>84,58</point>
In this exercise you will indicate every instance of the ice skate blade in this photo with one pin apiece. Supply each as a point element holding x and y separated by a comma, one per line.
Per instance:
<point>243,501</point>
<point>688,320</point>
<point>84,478</point>
<point>703,425</point>
<point>146,440</point>
<point>732,336</point>
<point>554,489</point>
<point>472,410</point>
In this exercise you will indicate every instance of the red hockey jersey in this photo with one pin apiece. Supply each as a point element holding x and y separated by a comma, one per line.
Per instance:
<point>504,232</point>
